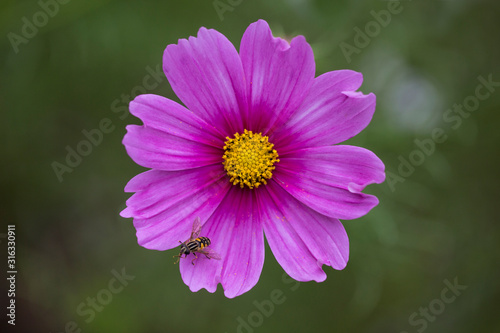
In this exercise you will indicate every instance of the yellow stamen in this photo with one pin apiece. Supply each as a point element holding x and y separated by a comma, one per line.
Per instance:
<point>249,159</point>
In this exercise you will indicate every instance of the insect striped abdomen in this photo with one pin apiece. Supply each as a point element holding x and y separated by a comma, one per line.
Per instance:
<point>203,242</point>
<point>192,246</point>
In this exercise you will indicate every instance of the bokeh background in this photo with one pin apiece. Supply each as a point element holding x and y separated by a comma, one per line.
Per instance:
<point>438,223</point>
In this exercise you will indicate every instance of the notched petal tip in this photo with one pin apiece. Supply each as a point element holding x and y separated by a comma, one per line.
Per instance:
<point>131,129</point>
<point>377,168</point>
<point>359,95</point>
<point>299,39</point>
<point>338,265</point>
<point>205,274</point>
<point>355,188</point>
<point>209,289</point>
<point>262,28</point>
<point>126,213</point>
<point>317,275</point>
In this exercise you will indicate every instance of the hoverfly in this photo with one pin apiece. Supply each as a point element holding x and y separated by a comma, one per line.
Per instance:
<point>196,244</point>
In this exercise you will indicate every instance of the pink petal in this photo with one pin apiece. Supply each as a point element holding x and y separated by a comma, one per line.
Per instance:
<point>170,117</point>
<point>156,149</point>
<point>331,113</point>
<point>325,237</point>
<point>207,75</point>
<point>166,203</point>
<point>287,246</point>
<point>278,75</point>
<point>236,234</point>
<point>328,179</point>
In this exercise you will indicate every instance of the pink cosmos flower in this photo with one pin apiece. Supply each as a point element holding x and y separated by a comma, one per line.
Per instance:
<point>252,153</point>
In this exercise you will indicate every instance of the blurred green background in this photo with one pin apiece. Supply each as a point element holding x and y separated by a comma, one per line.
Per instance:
<point>440,223</point>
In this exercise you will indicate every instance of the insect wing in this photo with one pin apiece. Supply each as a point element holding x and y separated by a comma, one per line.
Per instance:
<point>196,229</point>
<point>210,253</point>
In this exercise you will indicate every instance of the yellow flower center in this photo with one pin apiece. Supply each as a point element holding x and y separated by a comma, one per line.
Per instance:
<point>249,159</point>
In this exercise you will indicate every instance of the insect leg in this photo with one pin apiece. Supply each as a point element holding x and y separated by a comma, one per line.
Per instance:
<point>195,257</point>
<point>177,256</point>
